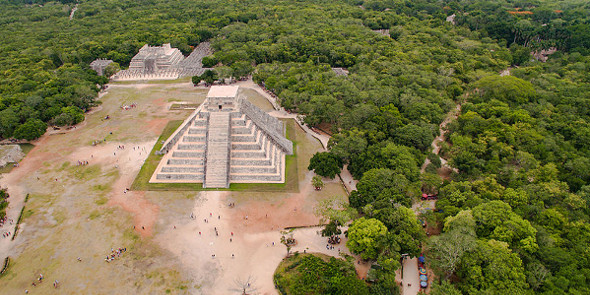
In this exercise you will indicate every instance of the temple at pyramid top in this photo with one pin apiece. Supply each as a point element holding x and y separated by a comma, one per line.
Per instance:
<point>225,140</point>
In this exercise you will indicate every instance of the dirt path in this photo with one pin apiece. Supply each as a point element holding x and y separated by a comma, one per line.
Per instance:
<point>452,115</point>
<point>73,11</point>
<point>411,277</point>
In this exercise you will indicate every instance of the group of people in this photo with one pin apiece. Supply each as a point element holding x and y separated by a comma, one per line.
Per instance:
<point>82,163</point>
<point>4,220</point>
<point>128,107</point>
<point>40,280</point>
<point>115,253</point>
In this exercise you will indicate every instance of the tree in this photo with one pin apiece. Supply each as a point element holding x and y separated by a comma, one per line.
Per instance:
<point>382,187</point>
<point>111,69</point>
<point>507,88</point>
<point>490,267</point>
<point>363,236</point>
<point>444,288</point>
<point>196,80</point>
<point>325,164</point>
<point>32,129</point>
<point>208,76</point>
<point>317,182</point>
<point>224,72</point>
<point>496,220</point>
<point>404,227</point>
<point>332,228</point>
<point>69,116</point>
<point>447,250</point>
<point>242,69</point>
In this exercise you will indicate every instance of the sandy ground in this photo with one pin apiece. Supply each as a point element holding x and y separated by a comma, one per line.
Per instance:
<point>86,211</point>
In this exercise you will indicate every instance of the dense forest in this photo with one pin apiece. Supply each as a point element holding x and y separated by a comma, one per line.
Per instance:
<point>514,213</point>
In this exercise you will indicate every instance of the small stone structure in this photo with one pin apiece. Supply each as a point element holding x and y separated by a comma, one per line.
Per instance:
<point>226,140</point>
<point>98,65</point>
<point>10,153</point>
<point>340,71</point>
<point>164,63</point>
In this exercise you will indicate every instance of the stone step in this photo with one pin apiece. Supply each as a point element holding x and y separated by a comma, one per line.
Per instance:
<point>252,170</point>
<point>188,154</point>
<point>257,177</point>
<point>216,169</point>
<point>183,169</point>
<point>188,162</point>
<point>183,176</point>
<point>193,147</point>
<point>194,139</point>
<point>197,131</point>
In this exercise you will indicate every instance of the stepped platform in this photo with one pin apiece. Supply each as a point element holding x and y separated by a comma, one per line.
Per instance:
<point>226,140</point>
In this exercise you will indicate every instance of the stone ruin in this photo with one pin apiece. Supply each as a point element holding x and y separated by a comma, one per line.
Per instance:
<point>164,63</point>
<point>98,65</point>
<point>225,140</point>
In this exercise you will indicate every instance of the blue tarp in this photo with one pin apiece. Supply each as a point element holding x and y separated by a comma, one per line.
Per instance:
<point>421,259</point>
<point>423,278</point>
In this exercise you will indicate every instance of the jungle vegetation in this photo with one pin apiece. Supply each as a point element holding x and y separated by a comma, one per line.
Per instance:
<point>515,213</point>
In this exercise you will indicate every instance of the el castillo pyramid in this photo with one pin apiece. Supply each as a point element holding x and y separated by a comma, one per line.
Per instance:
<point>225,140</point>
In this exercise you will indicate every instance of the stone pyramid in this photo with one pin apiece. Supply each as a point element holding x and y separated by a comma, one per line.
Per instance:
<point>225,140</point>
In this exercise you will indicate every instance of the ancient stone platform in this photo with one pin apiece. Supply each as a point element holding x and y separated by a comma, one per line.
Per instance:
<point>164,63</point>
<point>225,140</point>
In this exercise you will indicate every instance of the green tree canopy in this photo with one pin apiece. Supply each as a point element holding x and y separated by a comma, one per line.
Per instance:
<point>364,235</point>
<point>325,164</point>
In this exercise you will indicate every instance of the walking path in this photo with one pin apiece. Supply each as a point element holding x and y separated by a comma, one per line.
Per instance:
<point>452,115</point>
<point>411,278</point>
<point>73,11</point>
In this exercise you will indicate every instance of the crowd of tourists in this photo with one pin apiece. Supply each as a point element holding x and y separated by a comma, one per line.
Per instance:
<point>115,253</point>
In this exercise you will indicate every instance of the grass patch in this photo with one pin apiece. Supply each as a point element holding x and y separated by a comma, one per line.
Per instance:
<point>184,106</point>
<point>101,200</point>
<point>94,214</point>
<point>142,183</point>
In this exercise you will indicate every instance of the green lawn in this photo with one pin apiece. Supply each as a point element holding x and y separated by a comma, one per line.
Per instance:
<point>291,184</point>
